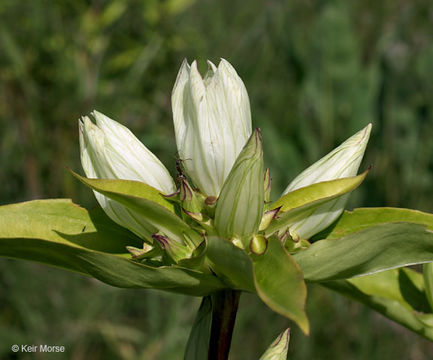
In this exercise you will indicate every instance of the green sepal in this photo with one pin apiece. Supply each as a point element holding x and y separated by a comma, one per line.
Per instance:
<point>172,249</point>
<point>197,258</point>
<point>267,218</point>
<point>190,200</point>
<point>146,251</point>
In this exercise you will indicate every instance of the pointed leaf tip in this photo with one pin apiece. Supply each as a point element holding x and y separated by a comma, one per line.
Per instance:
<point>279,348</point>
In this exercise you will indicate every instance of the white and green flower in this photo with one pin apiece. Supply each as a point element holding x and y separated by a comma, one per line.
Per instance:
<point>222,158</point>
<point>212,122</point>
<point>109,150</point>
<point>342,162</point>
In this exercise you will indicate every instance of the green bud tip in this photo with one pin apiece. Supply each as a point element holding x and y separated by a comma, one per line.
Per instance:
<point>210,200</point>
<point>267,218</point>
<point>137,253</point>
<point>288,235</point>
<point>197,216</point>
<point>258,244</point>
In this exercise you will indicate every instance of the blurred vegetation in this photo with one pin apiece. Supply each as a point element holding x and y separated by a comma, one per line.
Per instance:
<point>316,71</point>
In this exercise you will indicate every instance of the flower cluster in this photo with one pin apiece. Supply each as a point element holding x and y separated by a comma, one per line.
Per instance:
<point>223,189</point>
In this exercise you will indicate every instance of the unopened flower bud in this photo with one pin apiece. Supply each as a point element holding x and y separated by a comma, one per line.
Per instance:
<point>212,122</point>
<point>110,151</point>
<point>342,162</point>
<point>239,208</point>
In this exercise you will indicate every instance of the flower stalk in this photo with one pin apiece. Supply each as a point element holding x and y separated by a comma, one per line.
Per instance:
<point>224,309</point>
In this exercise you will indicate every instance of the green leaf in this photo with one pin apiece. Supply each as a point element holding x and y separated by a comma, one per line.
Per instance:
<point>378,248</point>
<point>362,218</point>
<point>279,283</point>
<point>428,280</point>
<point>60,233</point>
<point>142,199</point>
<point>230,263</point>
<point>320,191</point>
<point>278,349</point>
<point>62,221</point>
<point>397,294</point>
<point>300,203</point>
<point>127,187</point>
<point>197,347</point>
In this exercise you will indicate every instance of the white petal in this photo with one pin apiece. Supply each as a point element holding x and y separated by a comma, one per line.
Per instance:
<point>320,218</point>
<point>344,161</point>
<point>177,100</point>
<point>212,122</point>
<point>341,162</point>
<point>110,151</point>
<point>120,155</point>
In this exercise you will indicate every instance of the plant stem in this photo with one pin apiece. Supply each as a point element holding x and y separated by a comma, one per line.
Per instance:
<point>224,308</point>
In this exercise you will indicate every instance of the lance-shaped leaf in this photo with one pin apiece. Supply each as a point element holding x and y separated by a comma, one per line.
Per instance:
<point>61,221</point>
<point>377,248</point>
<point>278,349</point>
<point>197,347</point>
<point>60,233</point>
<point>363,218</point>
<point>279,283</point>
<point>301,204</point>
<point>240,205</point>
<point>397,294</point>
<point>342,162</point>
<point>427,271</point>
<point>141,199</point>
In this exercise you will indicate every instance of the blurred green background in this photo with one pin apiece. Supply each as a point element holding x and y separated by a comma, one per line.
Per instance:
<point>316,72</point>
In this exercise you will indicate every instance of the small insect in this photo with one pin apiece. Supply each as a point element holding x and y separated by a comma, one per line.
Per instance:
<point>83,229</point>
<point>180,169</point>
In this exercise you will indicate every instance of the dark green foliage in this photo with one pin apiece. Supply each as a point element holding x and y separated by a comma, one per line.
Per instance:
<point>316,72</point>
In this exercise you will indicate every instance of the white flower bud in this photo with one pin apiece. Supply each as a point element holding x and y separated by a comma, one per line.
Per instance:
<point>109,150</point>
<point>212,122</point>
<point>343,161</point>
